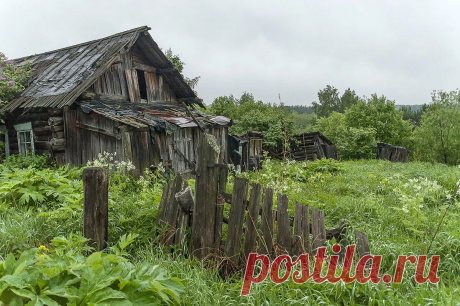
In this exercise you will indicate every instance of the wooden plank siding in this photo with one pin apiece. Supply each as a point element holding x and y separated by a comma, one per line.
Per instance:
<point>88,134</point>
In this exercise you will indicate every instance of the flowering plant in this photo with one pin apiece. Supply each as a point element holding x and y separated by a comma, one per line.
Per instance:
<point>107,160</point>
<point>12,78</point>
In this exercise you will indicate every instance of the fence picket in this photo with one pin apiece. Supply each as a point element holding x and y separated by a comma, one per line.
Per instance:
<point>252,220</point>
<point>236,219</point>
<point>284,231</point>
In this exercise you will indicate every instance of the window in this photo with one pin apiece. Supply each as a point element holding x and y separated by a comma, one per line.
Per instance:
<point>25,138</point>
<point>142,84</point>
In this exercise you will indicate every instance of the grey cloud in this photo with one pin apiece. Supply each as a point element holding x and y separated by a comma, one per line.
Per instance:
<point>402,49</point>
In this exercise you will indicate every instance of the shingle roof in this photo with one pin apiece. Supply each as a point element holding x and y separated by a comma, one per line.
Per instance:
<point>60,76</point>
<point>161,114</point>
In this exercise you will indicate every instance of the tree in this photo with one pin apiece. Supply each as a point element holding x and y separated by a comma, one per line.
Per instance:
<point>414,116</point>
<point>274,120</point>
<point>352,143</point>
<point>437,139</point>
<point>12,78</point>
<point>179,65</point>
<point>329,101</point>
<point>380,114</point>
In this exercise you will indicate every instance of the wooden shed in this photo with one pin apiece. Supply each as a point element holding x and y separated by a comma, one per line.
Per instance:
<point>245,151</point>
<point>392,153</point>
<point>308,146</point>
<point>116,94</point>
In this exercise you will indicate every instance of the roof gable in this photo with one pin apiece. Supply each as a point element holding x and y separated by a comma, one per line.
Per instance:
<point>59,77</point>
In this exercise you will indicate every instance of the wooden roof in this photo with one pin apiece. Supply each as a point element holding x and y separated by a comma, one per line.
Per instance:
<point>161,115</point>
<point>60,76</point>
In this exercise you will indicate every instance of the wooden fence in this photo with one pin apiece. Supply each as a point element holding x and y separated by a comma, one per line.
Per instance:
<point>253,224</point>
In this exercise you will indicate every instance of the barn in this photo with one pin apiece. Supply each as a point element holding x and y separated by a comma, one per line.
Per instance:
<point>119,94</point>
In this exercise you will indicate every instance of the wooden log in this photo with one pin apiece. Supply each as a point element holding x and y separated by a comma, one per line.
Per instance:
<point>42,130</point>
<point>39,123</point>
<point>298,216</point>
<point>252,220</point>
<point>235,222</point>
<point>96,206</point>
<point>41,145</point>
<point>318,229</point>
<point>58,128</point>
<point>306,229</point>
<point>33,117</point>
<point>171,211</point>
<point>42,137</point>
<point>266,225</point>
<point>362,244</point>
<point>57,141</point>
<point>57,149</point>
<point>55,121</point>
<point>54,111</point>
<point>284,231</point>
<point>57,134</point>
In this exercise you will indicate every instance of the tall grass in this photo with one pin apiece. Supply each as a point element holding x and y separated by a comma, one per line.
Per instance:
<point>398,205</point>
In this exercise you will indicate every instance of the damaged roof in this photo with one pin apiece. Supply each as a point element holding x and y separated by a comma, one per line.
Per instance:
<point>58,77</point>
<point>162,115</point>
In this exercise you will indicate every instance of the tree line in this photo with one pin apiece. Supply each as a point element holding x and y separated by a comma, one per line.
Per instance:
<point>354,124</point>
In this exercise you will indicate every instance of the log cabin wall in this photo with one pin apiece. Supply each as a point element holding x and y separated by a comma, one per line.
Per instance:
<point>48,139</point>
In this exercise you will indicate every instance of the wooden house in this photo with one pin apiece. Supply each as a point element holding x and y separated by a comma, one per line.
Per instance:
<point>119,94</point>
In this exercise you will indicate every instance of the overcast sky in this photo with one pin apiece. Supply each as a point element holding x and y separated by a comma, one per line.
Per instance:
<point>402,49</point>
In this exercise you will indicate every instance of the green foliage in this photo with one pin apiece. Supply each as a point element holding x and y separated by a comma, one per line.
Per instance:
<point>393,203</point>
<point>275,121</point>
<point>412,115</point>
<point>303,122</point>
<point>330,101</point>
<point>301,109</point>
<point>62,276</point>
<point>21,162</point>
<point>358,143</point>
<point>380,114</point>
<point>179,65</point>
<point>12,78</point>
<point>352,143</point>
<point>437,139</point>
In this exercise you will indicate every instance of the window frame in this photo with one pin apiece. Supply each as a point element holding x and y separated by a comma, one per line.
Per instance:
<point>24,128</point>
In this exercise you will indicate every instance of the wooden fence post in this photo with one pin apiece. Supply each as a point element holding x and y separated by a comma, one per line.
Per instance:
<point>284,231</point>
<point>362,244</point>
<point>252,220</point>
<point>266,225</point>
<point>96,206</point>
<point>318,229</point>
<point>236,218</point>
<point>306,229</point>
<point>206,196</point>
<point>298,220</point>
